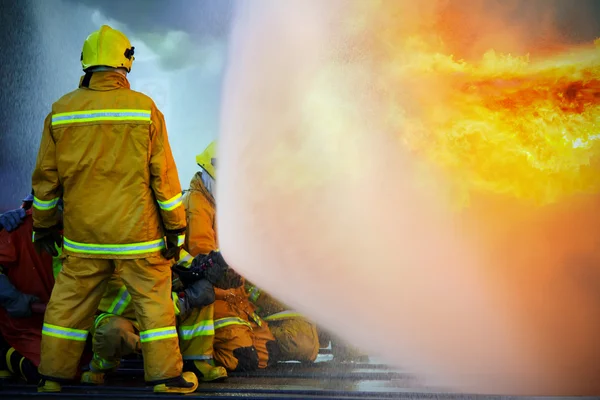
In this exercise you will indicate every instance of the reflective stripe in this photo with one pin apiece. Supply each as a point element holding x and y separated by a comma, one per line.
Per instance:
<point>175,303</point>
<point>100,318</point>
<point>45,204</point>
<point>180,240</point>
<point>133,248</point>
<point>197,357</point>
<point>158,334</point>
<point>64,333</point>
<point>223,322</point>
<point>283,315</point>
<point>171,204</point>
<point>185,259</point>
<point>121,302</point>
<point>256,319</point>
<point>202,328</point>
<point>103,365</point>
<point>254,294</point>
<point>100,115</point>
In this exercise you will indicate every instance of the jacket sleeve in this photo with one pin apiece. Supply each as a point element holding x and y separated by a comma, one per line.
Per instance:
<point>47,189</point>
<point>164,180</point>
<point>201,237</point>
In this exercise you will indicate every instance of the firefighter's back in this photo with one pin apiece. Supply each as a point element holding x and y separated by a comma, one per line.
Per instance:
<point>103,142</point>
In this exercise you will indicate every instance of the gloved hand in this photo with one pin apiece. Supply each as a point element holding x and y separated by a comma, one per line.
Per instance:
<point>46,239</point>
<point>200,294</point>
<point>10,220</point>
<point>174,241</point>
<point>17,304</point>
<point>213,265</point>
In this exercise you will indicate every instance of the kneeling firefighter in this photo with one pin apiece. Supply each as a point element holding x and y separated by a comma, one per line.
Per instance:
<point>116,332</point>
<point>242,338</point>
<point>296,336</point>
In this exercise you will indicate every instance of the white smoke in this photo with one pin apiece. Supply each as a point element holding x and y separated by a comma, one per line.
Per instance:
<point>318,204</point>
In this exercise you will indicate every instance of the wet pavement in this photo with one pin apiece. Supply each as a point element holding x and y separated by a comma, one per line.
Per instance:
<point>322,380</point>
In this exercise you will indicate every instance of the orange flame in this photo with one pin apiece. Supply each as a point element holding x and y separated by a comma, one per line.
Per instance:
<point>502,124</point>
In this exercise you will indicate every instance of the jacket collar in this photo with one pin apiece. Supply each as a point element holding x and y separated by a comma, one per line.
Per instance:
<point>197,185</point>
<point>104,80</point>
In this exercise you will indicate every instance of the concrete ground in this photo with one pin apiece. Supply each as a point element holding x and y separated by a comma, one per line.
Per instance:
<point>322,380</point>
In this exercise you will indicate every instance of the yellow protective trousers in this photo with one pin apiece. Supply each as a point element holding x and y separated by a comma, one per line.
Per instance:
<point>75,298</point>
<point>197,334</point>
<point>115,337</point>
<point>234,345</point>
<point>242,341</point>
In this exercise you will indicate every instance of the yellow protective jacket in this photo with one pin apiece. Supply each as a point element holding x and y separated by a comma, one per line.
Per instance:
<point>201,236</point>
<point>105,150</point>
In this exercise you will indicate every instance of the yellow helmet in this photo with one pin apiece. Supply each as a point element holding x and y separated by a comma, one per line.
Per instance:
<point>208,159</point>
<point>107,47</point>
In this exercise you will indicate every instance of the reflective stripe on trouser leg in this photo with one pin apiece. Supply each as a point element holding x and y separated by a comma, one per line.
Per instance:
<point>197,334</point>
<point>228,338</point>
<point>70,314</point>
<point>149,284</point>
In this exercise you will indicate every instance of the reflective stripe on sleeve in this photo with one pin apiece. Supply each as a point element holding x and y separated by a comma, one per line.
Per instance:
<point>254,294</point>
<point>180,240</point>
<point>202,328</point>
<point>64,333</point>
<point>171,204</point>
<point>185,259</point>
<point>45,204</point>
<point>283,315</point>
<point>153,335</point>
<point>223,322</point>
<point>100,115</point>
<point>175,303</point>
<point>132,248</point>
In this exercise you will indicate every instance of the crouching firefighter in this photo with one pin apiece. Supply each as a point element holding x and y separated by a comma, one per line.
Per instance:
<point>116,332</point>
<point>296,336</point>
<point>240,341</point>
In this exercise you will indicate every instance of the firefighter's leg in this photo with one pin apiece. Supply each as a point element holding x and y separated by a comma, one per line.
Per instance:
<point>233,347</point>
<point>263,341</point>
<point>196,339</point>
<point>114,337</point>
<point>149,284</point>
<point>69,316</point>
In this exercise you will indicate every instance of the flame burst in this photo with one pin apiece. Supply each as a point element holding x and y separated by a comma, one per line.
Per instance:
<point>502,123</point>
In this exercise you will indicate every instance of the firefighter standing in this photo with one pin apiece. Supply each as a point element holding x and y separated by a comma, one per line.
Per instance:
<point>105,151</point>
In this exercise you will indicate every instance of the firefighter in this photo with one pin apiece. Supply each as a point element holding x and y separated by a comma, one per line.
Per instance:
<point>241,337</point>
<point>296,336</point>
<point>105,151</point>
<point>26,281</point>
<point>116,331</point>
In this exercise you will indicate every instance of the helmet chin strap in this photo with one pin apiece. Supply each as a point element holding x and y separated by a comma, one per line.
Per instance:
<point>86,79</point>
